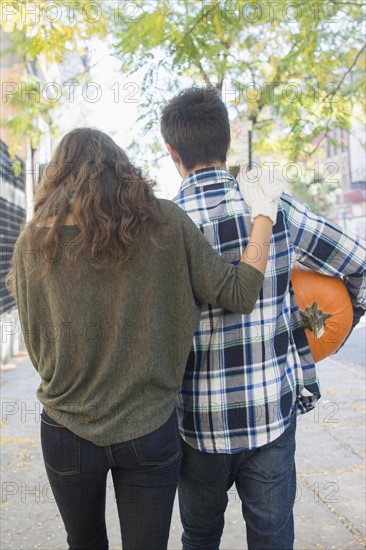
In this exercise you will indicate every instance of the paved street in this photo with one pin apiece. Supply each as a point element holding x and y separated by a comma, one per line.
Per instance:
<point>330,505</point>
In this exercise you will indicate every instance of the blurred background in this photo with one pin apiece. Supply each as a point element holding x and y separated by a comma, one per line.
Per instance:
<point>292,75</point>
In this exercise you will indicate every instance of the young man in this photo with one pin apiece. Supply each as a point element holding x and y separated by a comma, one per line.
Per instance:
<point>247,375</point>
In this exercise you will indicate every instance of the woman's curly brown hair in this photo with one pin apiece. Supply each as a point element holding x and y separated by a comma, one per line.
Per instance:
<point>91,177</point>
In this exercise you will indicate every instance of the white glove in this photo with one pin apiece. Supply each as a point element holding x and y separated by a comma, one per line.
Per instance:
<point>261,192</point>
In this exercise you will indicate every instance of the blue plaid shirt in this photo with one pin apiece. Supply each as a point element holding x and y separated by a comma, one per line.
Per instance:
<point>247,374</point>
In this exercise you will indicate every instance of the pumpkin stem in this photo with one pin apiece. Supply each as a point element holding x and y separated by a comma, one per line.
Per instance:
<point>314,319</point>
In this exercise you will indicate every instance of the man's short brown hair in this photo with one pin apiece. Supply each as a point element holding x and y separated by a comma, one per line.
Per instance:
<point>196,124</point>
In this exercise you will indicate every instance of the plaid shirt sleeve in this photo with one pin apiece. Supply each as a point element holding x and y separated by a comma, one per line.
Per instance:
<point>325,247</point>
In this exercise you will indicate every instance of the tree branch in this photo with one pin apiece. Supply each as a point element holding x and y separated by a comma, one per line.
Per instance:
<point>345,74</point>
<point>348,4</point>
<point>263,123</point>
<point>326,132</point>
<point>198,20</point>
<point>203,73</point>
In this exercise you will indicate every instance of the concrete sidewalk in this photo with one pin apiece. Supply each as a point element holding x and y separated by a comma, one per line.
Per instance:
<point>330,503</point>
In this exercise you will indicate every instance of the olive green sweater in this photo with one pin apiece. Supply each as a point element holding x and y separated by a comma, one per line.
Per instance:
<point>111,346</point>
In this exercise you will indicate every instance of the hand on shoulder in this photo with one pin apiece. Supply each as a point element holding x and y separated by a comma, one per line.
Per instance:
<point>261,190</point>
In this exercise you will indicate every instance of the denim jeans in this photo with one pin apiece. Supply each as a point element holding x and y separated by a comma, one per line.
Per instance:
<point>145,474</point>
<point>265,479</point>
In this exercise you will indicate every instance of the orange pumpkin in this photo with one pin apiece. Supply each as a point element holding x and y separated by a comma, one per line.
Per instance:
<point>325,308</point>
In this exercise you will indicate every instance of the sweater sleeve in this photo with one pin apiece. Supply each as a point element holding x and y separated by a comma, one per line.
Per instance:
<point>213,279</point>
<point>22,298</point>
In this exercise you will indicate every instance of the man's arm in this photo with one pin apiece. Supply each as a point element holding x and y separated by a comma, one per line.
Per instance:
<point>325,247</point>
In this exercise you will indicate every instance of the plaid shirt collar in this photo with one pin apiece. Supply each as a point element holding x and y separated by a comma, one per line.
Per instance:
<point>205,177</point>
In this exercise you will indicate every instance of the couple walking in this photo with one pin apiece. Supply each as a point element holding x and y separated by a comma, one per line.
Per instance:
<point>112,284</point>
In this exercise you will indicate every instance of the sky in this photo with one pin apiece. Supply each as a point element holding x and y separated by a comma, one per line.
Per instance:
<point>111,104</point>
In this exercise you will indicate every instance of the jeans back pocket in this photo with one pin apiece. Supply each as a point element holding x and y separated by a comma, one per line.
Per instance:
<point>60,447</point>
<point>160,447</point>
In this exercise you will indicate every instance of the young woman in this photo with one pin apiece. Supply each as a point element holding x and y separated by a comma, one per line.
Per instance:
<point>109,283</point>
